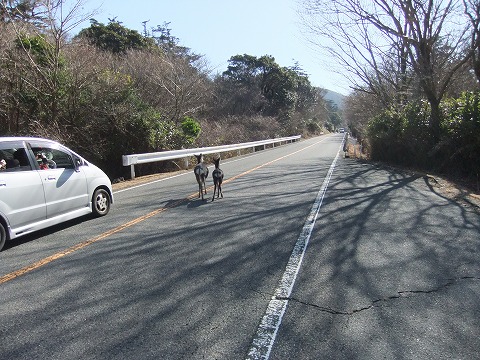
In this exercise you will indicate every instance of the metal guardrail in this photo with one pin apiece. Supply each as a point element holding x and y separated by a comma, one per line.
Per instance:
<point>133,159</point>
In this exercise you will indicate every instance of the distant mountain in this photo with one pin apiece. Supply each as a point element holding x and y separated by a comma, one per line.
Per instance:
<point>337,98</point>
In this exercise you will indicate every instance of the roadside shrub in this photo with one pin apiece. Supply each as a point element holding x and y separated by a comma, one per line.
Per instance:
<point>191,129</point>
<point>461,144</point>
<point>402,136</point>
<point>385,133</point>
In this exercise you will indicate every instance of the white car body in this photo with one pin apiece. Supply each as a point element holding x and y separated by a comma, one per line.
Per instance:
<point>44,183</point>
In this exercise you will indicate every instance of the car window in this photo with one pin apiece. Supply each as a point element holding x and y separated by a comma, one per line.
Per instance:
<point>52,158</point>
<point>13,157</point>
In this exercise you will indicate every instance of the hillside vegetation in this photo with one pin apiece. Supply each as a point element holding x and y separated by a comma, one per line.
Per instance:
<point>110,90</point>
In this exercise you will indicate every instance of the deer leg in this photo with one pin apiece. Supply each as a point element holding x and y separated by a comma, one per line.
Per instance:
<point>200,187</point>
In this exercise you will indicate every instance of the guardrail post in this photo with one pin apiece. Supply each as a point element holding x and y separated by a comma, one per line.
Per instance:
<point>132,171</point>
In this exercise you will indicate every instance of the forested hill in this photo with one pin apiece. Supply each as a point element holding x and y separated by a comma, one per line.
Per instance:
<point>337,98</point>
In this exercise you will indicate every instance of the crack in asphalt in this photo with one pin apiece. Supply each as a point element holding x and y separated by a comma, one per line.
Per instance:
<point>400,294</point>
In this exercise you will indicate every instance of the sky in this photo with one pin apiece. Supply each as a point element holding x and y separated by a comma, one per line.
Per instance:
<point>220,29</point>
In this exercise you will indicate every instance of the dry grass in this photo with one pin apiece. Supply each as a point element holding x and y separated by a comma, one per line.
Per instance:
<point>354,151</point>
<point>453,191</point>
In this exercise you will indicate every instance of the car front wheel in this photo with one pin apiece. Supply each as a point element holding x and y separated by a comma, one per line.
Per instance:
<point>100,202</point>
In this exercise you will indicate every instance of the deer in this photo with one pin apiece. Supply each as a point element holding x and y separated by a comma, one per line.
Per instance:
<point>217,176</point>
<point>201,173</point>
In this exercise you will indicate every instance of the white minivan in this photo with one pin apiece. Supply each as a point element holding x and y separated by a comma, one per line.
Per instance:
<point>43,183</point>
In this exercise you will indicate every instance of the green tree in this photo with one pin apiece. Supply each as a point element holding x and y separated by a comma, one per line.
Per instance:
<point>270,88</point>
<point>114,37</point>
<point>21,10</point>
<point>191,129</point>
<point>238,89</point>
<point>334,117</point>
<point>162,35</point>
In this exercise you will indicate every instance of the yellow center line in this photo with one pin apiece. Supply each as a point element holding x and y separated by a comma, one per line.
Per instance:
<point>79,246</point>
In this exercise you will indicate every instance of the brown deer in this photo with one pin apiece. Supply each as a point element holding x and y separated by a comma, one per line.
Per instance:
<point>201,173</point>
<point>217,176</point>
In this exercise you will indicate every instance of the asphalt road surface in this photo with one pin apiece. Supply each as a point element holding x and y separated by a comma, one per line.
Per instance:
<point>309,255</point>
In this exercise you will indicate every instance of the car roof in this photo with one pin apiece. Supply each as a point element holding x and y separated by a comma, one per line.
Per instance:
<point>27,138</point>
<point>31,138</point>
<point>24,138</point>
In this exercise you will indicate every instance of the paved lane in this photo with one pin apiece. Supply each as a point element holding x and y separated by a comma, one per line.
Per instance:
<point>392,272</point>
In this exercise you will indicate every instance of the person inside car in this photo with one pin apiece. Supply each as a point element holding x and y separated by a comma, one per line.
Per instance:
<point>43,162</point>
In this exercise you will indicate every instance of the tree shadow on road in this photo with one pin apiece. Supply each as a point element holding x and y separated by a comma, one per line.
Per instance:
<point>393,257</point>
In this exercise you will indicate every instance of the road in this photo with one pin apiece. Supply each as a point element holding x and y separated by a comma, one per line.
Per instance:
<point>377,266</point>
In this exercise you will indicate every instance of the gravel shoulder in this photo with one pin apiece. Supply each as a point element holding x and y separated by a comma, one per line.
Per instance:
<point>453,190</point>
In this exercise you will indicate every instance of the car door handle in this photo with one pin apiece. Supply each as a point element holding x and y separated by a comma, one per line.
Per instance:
<point>51,177</point>
<point>3,183</point>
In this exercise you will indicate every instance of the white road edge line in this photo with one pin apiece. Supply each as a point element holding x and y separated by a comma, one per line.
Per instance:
<point>267,330</point>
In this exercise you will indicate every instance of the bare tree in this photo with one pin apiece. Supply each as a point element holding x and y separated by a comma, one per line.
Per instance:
<point>360,108</point>
<point>42,35</point>
<point>381,42</point>
<point>472,11</point>
<point>169,83</point>
<point>372,60</point>
<point>9,81</point>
